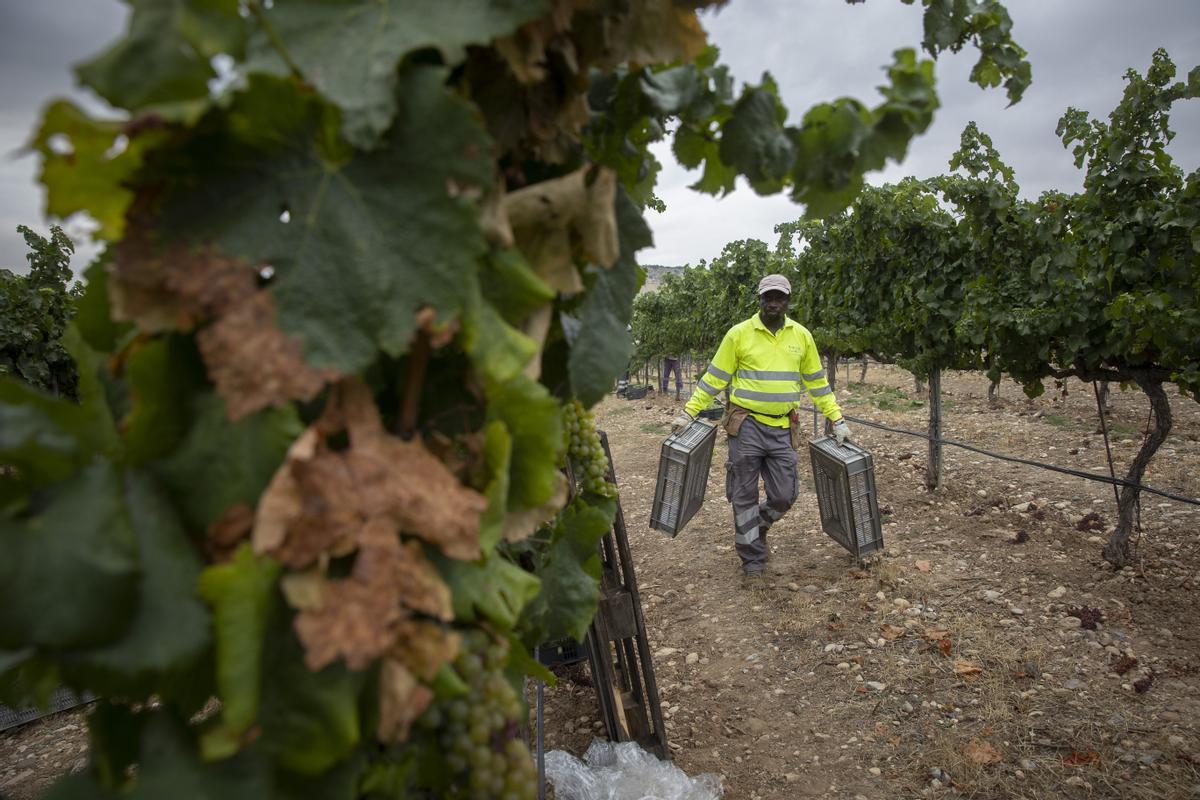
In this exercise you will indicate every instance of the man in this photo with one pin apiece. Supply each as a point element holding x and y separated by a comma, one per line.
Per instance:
<point>671,365</point>
<point>768,360</point>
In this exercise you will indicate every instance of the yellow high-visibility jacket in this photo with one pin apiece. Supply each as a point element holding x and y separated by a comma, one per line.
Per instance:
<point>769,372</point>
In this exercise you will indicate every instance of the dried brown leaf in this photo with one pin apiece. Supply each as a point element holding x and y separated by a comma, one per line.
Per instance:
<point>309,508</point>
<point>357,615</point>
<point>402,699</point>
<point>891,632</point>
<point>982,752</point>
<point>281,502</point>
<point>354,622</point>
<point>254,364</point>
<point>922,565</point>
<point>304,591</point>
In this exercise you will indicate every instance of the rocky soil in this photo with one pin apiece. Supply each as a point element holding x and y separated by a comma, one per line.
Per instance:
<point>989,653</point>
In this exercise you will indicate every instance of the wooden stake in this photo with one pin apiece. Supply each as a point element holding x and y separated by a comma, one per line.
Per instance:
<point>933,473</point>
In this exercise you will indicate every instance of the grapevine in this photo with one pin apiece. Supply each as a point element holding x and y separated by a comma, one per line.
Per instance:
<point>585,449</point>
<point>322,369</point>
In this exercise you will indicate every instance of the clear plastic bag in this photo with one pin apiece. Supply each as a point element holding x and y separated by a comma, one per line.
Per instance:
<point>624,771</point>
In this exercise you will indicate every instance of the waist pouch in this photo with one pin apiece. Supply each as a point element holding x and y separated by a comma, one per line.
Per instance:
<point>735,415</point>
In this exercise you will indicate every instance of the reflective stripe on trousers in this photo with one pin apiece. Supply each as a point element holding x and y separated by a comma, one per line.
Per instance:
<point>758,450</point>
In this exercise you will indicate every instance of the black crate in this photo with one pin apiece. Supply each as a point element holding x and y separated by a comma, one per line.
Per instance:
<point>636,392</point>
<point>561,652</point>
<point>61,700</point>
<point>682,476</point>
<point>844,476</point>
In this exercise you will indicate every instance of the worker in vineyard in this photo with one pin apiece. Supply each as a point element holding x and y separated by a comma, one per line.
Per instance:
<point>671,365</point>
<point>768,361</point>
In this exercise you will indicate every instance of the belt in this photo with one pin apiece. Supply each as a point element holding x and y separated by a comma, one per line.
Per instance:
<point>761,413</point>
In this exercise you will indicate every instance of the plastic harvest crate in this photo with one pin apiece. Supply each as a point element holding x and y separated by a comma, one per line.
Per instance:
<point>682,476</point>
<point>61,700</point>
<point>844,476</point>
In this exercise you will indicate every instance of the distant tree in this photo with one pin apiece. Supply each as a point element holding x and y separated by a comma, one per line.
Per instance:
<point>34,312</point>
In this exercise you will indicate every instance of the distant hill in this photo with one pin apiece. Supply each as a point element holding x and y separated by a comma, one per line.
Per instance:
<point>655,274</point>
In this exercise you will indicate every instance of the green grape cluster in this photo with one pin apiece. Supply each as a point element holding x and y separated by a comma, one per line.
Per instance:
<point>585,451</point>
<point>480,731</point>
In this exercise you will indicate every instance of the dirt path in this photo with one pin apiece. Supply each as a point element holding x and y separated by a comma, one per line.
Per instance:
<point>954,658</point>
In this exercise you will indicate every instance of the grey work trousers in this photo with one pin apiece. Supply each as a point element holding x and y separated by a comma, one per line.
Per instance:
<point>764,450</point>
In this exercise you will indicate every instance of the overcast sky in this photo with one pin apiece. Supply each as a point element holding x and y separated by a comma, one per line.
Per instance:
<point>816,49</point>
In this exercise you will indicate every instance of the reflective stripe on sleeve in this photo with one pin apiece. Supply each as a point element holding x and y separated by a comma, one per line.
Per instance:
<point>821,391</point>
<point>769,397</point>
<point>815,376</point>
<point>706,386</point>
<point>768,375</point>
<point>717,372</point>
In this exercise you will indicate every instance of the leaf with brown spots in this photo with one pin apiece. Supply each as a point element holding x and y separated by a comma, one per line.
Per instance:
<point>982,752</point>
<point>402,699</point>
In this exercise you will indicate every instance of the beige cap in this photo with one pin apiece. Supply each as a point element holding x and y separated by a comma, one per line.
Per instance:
<point>774,283</point>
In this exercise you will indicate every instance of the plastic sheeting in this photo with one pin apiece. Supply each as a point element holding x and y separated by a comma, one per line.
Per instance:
<point>624,771</point>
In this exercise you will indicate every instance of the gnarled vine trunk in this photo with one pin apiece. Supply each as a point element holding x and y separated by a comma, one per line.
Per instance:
<point>993,395</point>
<point>831,363</point>
<point>1116,550</point>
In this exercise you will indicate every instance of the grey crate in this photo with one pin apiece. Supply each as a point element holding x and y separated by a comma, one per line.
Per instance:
<point>61,700</point>
<point>682,476</point>
<point>844,476</point>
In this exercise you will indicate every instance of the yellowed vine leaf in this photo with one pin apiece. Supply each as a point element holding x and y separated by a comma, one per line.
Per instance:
<point>519,525</point>
<point>549,217</point>
<point>424,647</point>
<point>402,699</point>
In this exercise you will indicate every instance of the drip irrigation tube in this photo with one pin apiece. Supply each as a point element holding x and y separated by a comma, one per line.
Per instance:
<point>1091,476</point>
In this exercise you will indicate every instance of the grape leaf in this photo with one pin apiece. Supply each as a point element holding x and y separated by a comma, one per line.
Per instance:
<point>497,454</point>
<point>233,460</point>
<point>309,719</point>
<point>570,574</point>
<point>241,594</point>
<point>602,347</point>
<point>350,51</point>
<point>161,374</point>
<point>492,588</point>
<point>397,222</point>
<point>532,418</point>
<point>170,767</point>
<point>87,163</point>
<point>164,58</point>
<point>68,578</point>
<point>170,628</point>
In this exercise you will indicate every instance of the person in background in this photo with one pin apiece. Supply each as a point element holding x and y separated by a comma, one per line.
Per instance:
<point>671,364</point>
<point>769,361</point>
